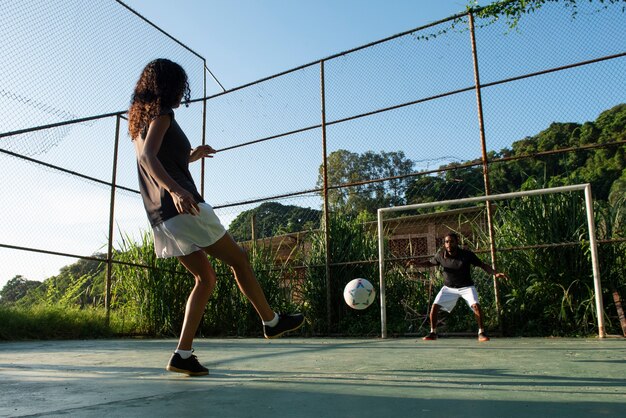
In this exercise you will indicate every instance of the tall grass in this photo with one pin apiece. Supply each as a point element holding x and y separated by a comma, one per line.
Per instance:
<point>43,322</point>
<point>611,225</point>
<point>354,254</point>
<point>153,299</point>
<point>230,313</point>
<point>550,291</point>
<point>349,241</point>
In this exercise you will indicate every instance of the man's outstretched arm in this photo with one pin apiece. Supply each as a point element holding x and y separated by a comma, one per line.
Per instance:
<point>489,270</point>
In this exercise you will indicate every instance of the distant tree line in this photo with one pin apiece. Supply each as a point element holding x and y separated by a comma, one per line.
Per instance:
<point>603,167</point>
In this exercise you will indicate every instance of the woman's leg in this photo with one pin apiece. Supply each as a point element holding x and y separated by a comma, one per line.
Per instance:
<point>227,250</point>
<point>198,264</point>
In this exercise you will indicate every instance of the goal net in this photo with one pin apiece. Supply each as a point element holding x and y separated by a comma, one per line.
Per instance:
<point>544,240</point>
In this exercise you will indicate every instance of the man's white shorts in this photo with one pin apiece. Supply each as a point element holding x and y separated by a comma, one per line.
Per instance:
<point>448,296</point>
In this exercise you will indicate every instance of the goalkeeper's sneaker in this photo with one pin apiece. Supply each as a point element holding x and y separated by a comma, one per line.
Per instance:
<point>482,337</point>
<point>286,323</point>
<point>432,336</point>
<point>190,366</point>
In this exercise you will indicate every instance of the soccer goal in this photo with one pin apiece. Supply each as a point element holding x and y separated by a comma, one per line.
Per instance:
<point>546,237</point>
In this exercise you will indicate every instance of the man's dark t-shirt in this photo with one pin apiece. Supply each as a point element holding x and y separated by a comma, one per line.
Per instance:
<point>174,156</point>
<point>456,269</point>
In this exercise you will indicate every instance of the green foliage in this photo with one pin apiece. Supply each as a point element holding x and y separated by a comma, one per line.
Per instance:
<point>153,299</point>
<point>16,289</point>
<point>454,183</point>
<point>511,11</point>
<point>550,290</point>
<point>43,322</point>
<point>604,168</point>
<point>353,239</point>
<point>346,167</point>
<point>611,225</point>
<point>79,284</point>
<point>273,219</point>
<point>230,313</point>
<point>350,240</point>
<point>514,10</point>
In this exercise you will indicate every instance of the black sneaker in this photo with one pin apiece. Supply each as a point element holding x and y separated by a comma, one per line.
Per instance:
<point>189,366</point>
<point>285,324</point>
<point>432,336</point>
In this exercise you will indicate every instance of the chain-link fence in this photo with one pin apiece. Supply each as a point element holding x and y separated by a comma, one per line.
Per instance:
<point>462,107</point>
<point>68,72</point>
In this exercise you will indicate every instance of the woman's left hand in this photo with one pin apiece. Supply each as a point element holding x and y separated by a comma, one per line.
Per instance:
<point>203,151</point>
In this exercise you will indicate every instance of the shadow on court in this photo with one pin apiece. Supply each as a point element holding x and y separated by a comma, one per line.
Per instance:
<point>317,378</point>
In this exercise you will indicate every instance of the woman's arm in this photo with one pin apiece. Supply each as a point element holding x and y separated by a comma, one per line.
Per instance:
<point>147,156</point>
<point>203,151</point>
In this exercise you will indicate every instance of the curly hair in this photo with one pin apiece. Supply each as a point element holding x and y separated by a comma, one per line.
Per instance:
<point>162,84</point>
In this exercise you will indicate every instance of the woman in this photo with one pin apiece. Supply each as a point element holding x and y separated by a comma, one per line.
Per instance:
<point>184,226</point>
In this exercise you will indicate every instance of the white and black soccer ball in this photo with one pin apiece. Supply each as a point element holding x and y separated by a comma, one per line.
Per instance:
<point>359,294</point>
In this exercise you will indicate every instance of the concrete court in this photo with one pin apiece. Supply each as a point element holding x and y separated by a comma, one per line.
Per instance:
<point>295,377</point>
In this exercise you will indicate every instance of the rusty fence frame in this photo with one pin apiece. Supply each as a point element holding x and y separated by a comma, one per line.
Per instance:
<point>485,162</point>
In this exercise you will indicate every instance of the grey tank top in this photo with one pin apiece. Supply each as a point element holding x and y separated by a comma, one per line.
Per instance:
<point>174,156</point>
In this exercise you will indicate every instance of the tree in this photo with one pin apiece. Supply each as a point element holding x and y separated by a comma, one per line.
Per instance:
<point>273,218</point>
<point>618,189</point>
<point>345,167</point>
<point>80,283</point>
<point>16,289</point>
<point>602,167</point>
<point>454,183</point>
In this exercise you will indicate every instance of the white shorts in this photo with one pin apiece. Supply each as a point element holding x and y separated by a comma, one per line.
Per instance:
<point>184,234</point>
<point>448,296</point>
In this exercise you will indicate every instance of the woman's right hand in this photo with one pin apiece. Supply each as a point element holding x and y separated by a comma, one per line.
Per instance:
<point>185,202</point>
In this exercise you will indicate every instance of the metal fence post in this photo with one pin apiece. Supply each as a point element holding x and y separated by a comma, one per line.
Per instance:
<point>107,296</point>
<point>326,208</point>
<point>202,162</point>
<point>483,145</point>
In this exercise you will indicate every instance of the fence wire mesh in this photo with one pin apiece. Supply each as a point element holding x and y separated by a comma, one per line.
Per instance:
<point>401,126</point>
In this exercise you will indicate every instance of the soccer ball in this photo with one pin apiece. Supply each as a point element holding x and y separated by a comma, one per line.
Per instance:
<point>359,294</point>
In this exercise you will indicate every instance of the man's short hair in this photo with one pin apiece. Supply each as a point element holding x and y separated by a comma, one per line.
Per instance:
<point>453,235</point>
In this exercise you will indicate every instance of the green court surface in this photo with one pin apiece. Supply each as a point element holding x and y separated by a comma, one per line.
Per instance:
<point>295,377</point>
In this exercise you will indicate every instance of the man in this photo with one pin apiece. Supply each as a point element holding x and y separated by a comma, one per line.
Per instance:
<point>456,263</point>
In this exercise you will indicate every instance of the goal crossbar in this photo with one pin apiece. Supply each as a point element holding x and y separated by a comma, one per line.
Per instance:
<point>503,196</point>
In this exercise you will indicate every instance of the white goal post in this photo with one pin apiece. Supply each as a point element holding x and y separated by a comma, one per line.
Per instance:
<point>503,196</point>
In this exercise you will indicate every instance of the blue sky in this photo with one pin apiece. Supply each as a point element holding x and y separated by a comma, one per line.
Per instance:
<point>246,40</point>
